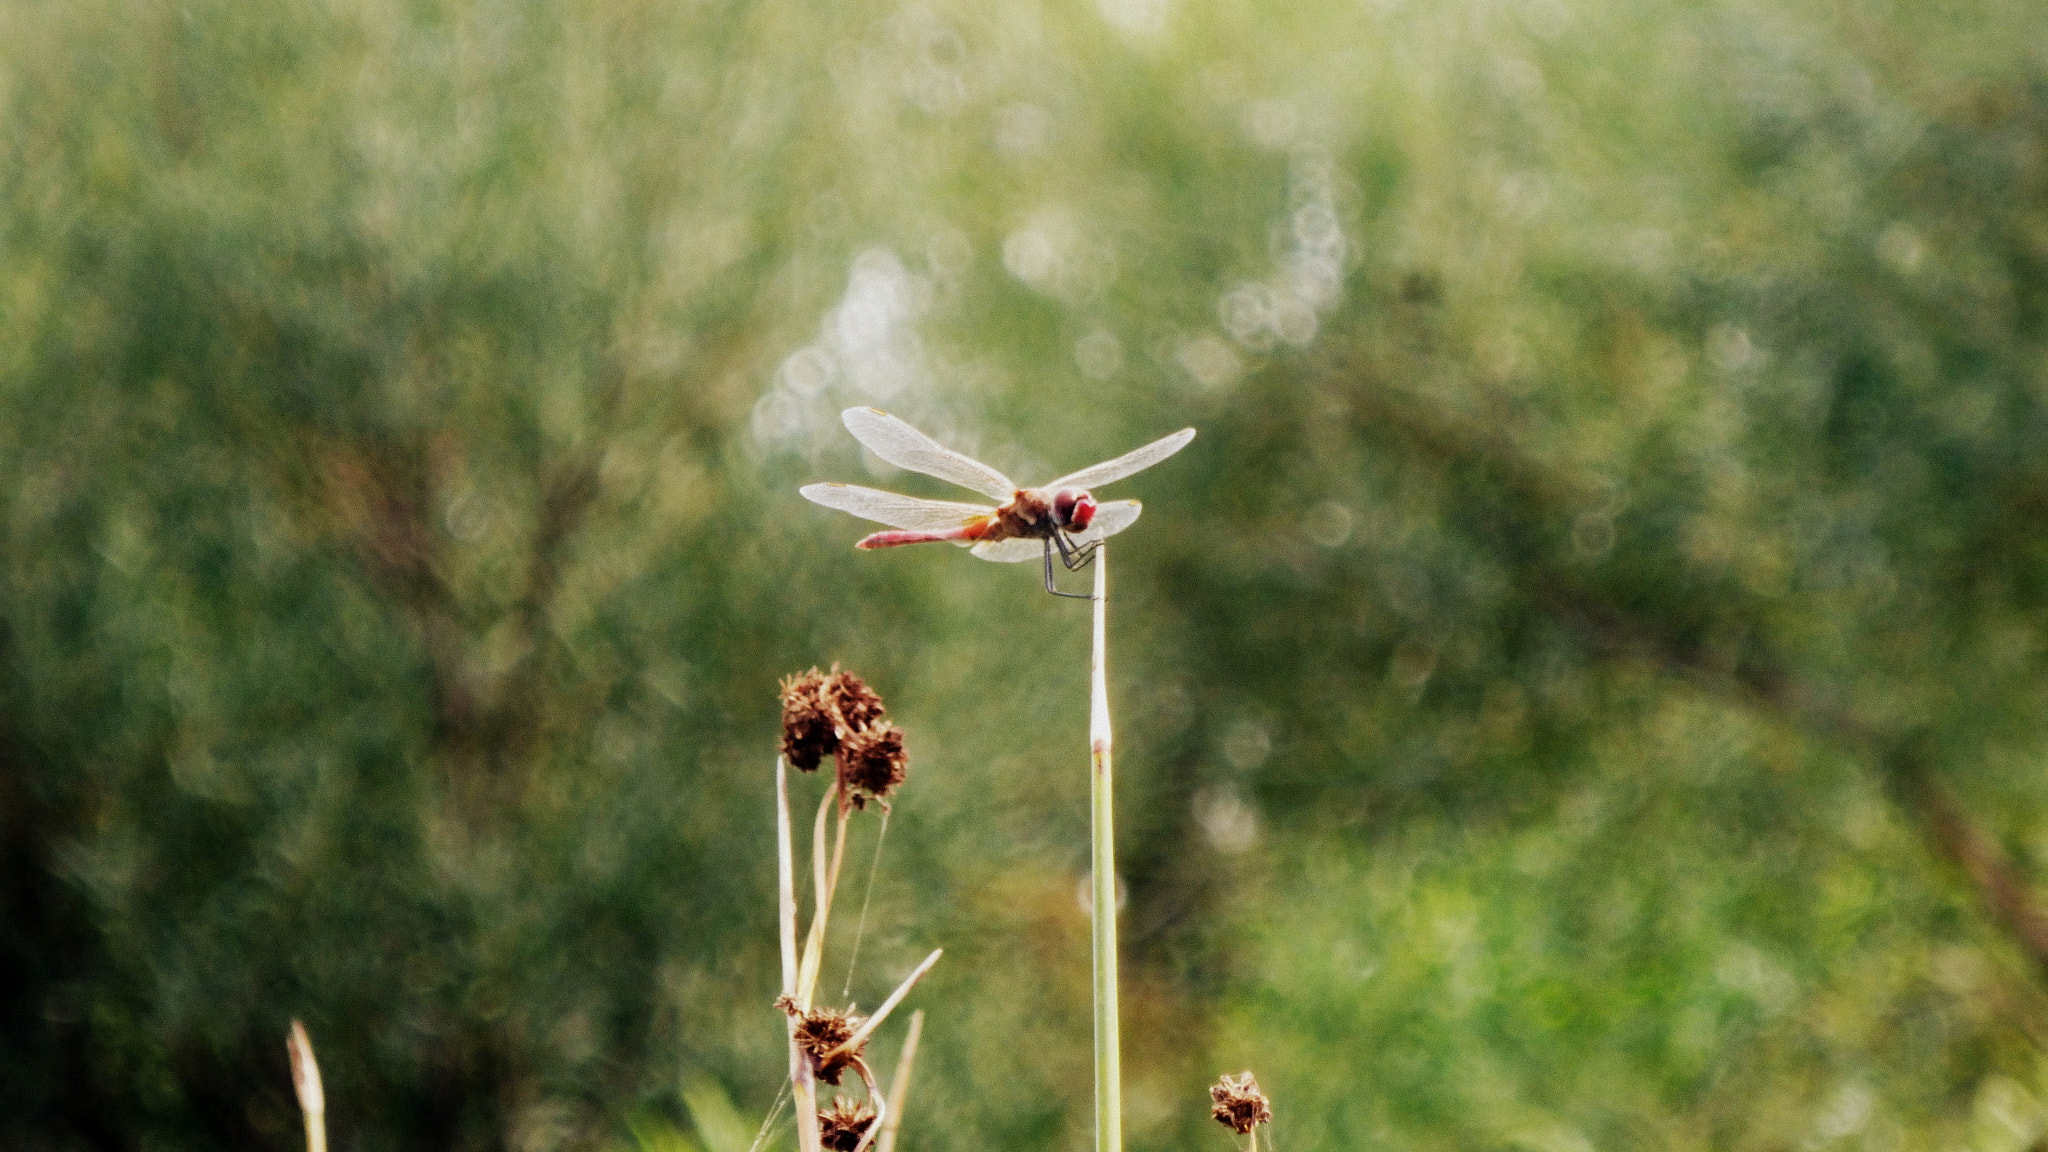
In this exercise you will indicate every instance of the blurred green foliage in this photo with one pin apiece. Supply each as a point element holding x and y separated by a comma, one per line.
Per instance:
<point>1583,689</point>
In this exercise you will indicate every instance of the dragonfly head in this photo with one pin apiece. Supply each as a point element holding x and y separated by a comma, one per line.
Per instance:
<point>1073,509</point>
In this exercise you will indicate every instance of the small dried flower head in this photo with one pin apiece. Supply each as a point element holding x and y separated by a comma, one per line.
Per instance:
<point>872,763</point>
<point>841,1126</point>
<point>808,731</point>
<point>821,710</point>
<point>819,1033</point>
<point>851,700</point>
<point>1239,1103</point>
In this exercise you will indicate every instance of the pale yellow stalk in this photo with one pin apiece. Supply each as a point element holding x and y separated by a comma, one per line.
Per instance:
<point>899,1085</point>
<point>306,1082</point>
<point>868,1026</point>
<point>803,1086</point>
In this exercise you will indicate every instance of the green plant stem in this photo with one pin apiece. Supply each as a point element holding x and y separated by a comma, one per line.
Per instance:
<point>1109,1128</point>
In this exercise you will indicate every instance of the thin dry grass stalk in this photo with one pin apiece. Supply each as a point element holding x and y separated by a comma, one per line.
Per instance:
<point>899,1084</point>
<point>867,1028</point>
<point>802,1086</point>
<point>785,875</point>
<point>840,716</point>
<point>822,887</point>
<point>306,1083</point>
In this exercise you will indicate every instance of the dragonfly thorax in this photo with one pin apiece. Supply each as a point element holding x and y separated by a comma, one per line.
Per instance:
<point>1037,514</point>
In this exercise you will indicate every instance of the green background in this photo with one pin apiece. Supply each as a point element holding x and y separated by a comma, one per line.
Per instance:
<point>1586,687</point>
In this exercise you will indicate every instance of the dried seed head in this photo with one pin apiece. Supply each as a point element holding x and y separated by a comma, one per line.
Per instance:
<point>851,700</point>
<point>820,710</point>
<point>1240,1104</point>
<point>841,1126</point>
<point>819,1033</point>
<point>808,734</point>
<point>872,763</point>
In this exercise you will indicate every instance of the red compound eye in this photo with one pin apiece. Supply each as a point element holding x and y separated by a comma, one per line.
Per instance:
<point>1082,513</point>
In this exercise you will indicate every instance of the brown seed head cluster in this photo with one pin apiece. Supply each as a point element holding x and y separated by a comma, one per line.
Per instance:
<point>872,762</point>
<point>820,1033</point>
<point>1239,1103</point>
<point>841,1126</point>
<point>836,714</point>
<point>807,723</point>
<point>852,700</point>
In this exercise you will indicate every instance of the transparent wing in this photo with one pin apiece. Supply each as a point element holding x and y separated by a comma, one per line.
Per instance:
<point>895,511</point>
<point>906,447</point>
<point>1010,551</point>
<point>1127,463</point>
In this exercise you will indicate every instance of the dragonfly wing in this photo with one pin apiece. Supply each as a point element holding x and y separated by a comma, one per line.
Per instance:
<point>1110,519</point>
<point>1010,551</point>
<point>906,447</point>
<point>894,510</point>
<point>1127,463</point>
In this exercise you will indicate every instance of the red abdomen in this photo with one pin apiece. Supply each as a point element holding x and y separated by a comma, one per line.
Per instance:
<point>899,538</point>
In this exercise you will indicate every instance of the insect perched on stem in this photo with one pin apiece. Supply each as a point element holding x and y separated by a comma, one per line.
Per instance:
<point>1061,516</point>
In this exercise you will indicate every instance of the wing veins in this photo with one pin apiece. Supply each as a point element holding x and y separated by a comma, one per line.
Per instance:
<point>1136,460</point>
<point>897,442</point>
<point>912,513</point>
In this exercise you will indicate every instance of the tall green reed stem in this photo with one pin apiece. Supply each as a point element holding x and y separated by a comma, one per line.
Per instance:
<point>1109,1124</point>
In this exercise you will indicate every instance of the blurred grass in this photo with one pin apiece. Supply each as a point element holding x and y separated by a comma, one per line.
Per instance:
<point>1620,454</point>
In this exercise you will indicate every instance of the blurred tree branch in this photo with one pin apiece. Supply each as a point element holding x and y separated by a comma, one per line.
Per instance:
<point>1716,639</point>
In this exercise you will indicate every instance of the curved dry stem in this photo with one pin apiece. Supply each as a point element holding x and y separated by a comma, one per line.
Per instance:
<point>881,1106</point>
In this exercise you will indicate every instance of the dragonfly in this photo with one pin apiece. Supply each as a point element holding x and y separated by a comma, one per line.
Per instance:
<point>1062,516</point>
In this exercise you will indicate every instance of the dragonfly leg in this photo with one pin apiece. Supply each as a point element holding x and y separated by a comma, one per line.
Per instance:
<point>1048,571</point>
<point>1074,558</point>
